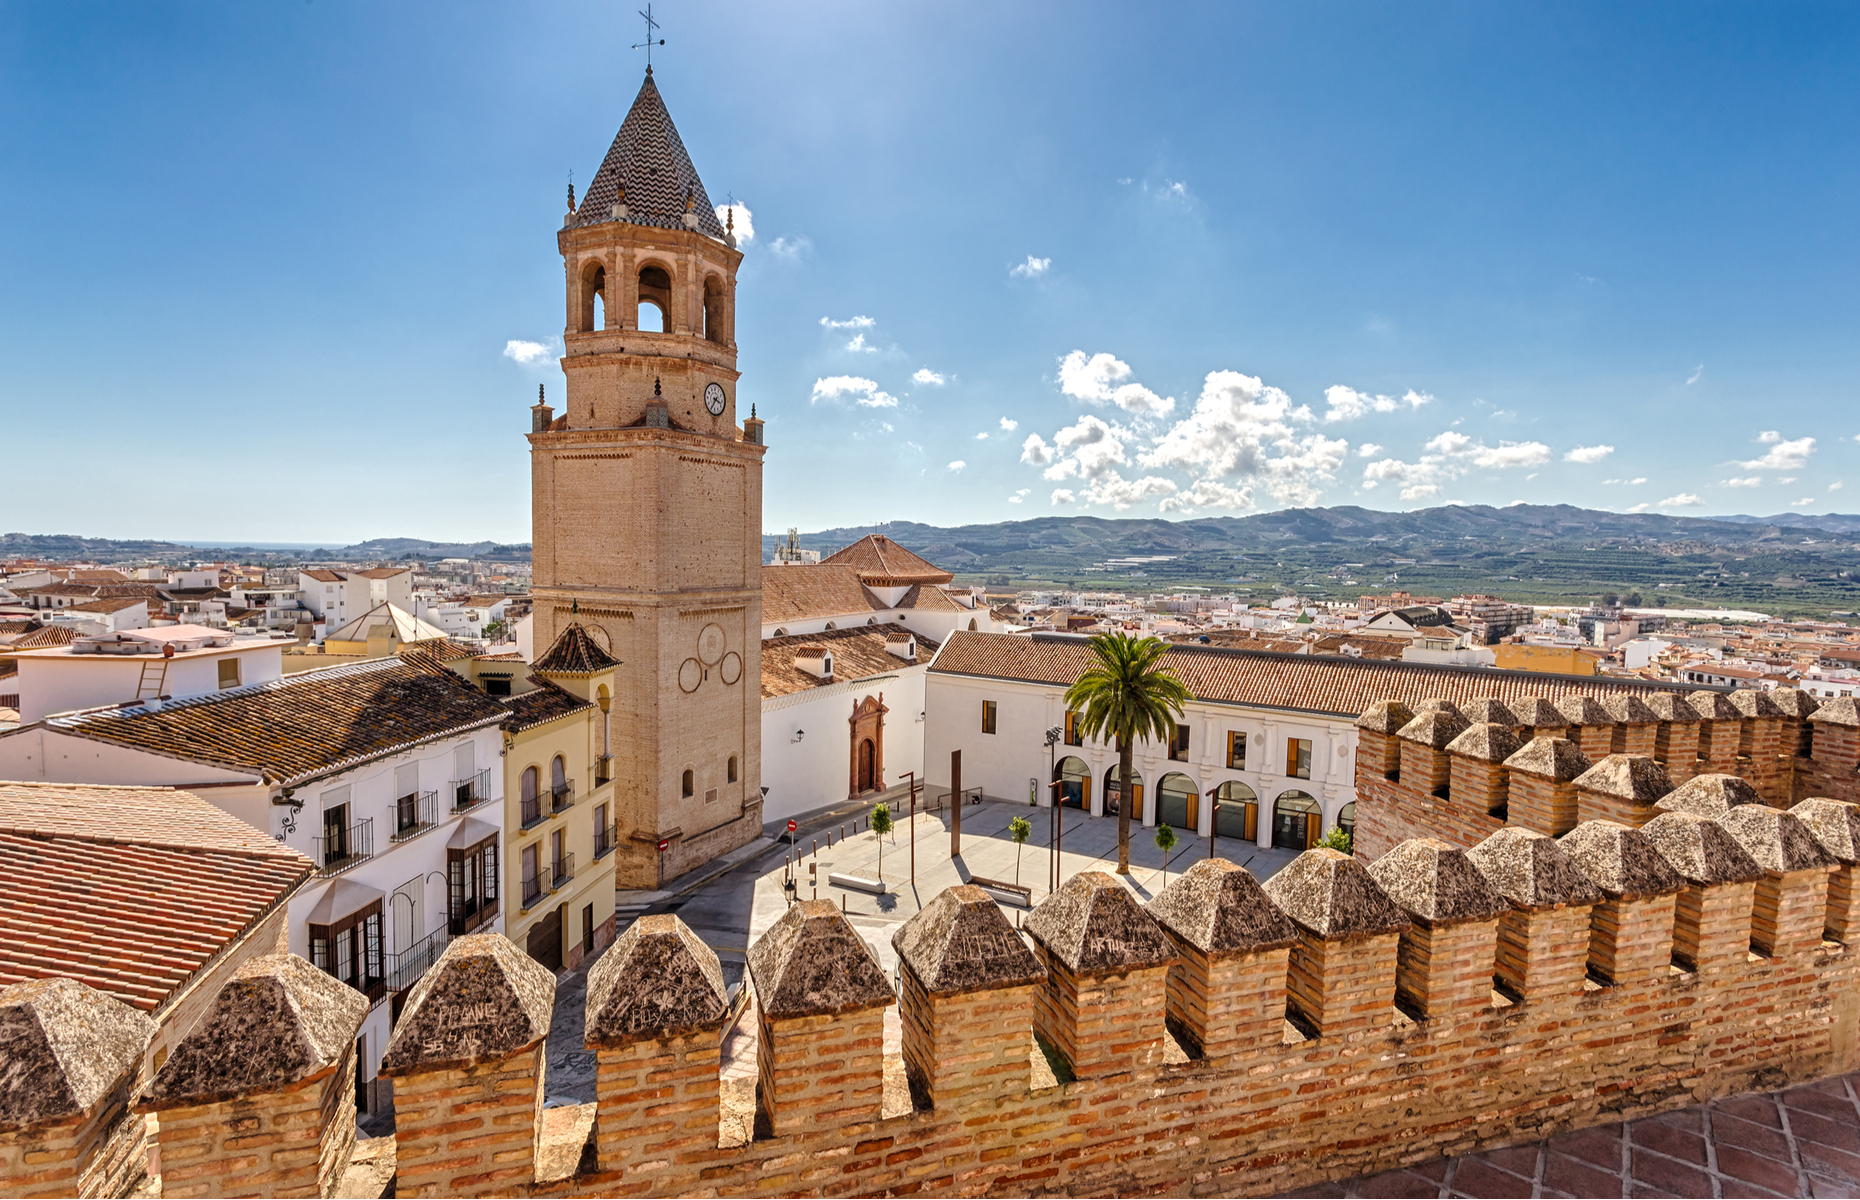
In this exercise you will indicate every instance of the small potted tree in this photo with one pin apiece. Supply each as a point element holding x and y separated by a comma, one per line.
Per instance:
<point>1020,829</point>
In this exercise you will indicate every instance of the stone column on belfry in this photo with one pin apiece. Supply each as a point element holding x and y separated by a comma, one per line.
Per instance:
<point>70,1056</point>
<point>1541,779</point>
<point>821,997</point>
<point>1835,826</point>
<point>1107,964</point>
<point>967,1002</point>
<point>1631,930</point>
<point>467,1062</point>
<point>1227,991</point>
<point>1543,941</point>
<point>1446,957</point>
<point>656,1007</point>
<point>263,1087</point>
<point>1711,923</point>
<point>1341,977</point>
<point>1790,909</point>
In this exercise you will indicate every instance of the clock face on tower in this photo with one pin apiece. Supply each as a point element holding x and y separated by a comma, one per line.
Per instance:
<point>713,398</point>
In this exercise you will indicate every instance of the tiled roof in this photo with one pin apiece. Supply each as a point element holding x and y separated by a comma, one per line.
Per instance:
<point>406,626</point>
<point>881,559</point>
<point>545,703</point>
<point>129,890</point>
<point>97,575</point>
<point>300,727</point>
<point>64,589</point>
<point>322,575</point>
<point>382,572</point>
<point>107,604</point>
<point>574,652</point>
<point>857,653</point>
<point>41,639</point>
<point>811,592</point>
<point>650,159</point>
<point>1300,682</point>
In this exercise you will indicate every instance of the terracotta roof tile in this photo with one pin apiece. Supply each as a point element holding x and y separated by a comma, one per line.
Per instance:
<point>545,703</point>
<point>1300,682</point>
<point>180,879</point>
<point>881,561</point>
<point>857,654</point>
<point>575,652</point>
<point>301,726</point>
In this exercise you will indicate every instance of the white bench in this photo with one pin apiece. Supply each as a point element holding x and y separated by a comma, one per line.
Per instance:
<point>1013,893</point>
<point>858,883</point>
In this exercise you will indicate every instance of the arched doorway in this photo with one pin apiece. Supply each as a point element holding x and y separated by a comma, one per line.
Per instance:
<point>1346,821</point>
<point>1074,779</point>
<point>868,754</point>
<point>1295,820</point>
<point>1178,802</point>
<point>1236,812</point>
<point>1114,793</point>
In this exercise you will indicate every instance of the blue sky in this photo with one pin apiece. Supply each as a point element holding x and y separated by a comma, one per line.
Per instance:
<point>260,264</point>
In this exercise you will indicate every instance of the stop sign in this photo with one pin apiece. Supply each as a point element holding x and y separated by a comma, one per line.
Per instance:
<point>792,826</point>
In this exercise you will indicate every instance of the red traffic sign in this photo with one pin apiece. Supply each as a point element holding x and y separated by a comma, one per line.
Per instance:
<point>792,826</point>
<point>664,845</point>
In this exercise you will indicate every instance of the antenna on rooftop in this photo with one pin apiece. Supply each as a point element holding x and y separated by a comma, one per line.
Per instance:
<point>648,44</point>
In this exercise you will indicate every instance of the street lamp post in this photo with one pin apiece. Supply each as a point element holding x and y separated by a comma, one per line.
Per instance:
<point>1052,756</point>
<point>1214,816</point>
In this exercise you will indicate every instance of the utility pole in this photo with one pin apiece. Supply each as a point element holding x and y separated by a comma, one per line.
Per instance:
<point>955,791</point>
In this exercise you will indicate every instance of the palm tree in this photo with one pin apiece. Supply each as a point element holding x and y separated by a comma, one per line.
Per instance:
<point>1125,695</point>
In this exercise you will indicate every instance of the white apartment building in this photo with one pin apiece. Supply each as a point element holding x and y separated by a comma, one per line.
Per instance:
<point>386,774</point>
<point>175,661</point>
<point>336,596</point>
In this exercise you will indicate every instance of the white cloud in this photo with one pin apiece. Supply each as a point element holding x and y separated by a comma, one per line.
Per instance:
<point>1062,496</point>
<point>1013,499</point>
<point>864,392</point>
<point>1783,456</point>
<point>1418,480</point>
<point>1237,425</point>
<point>1682,500</point>
<point>849,323</point>
<point>1786,479</point>
<point>1752,481</point>
<point>925,375</point>
<point>1368,450</point>
<point>790,248</point>
<point>745,226</point>
<point>1094,450</point>
<point>1035,451</point>
<point>1804,502</point>
<point>1449,443</point>
<point>1635,482</point>
<point>1643,506</point>
<point>1103,379</point>
<point>957,465</point>
<point>1505,454</point>
<point>1206,493</point>
<point>1033,268</point>
<point>1008,425</point>
<point>1836,486</point>
<point>1346,403</point>
<point>1120,493</point>
<point>1452,455</point>
<point>858,346</point>
<point>1588,454</point>
<point>530,353</point>
<point>982,437</point>
<point>1696,373</point>
<point>1019,496</point>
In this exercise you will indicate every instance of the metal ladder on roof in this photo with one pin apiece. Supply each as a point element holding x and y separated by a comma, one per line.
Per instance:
<point>154,675</point>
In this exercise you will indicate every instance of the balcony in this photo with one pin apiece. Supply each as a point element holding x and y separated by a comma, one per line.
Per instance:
<point>532,888</point>
<point>533,812</point>
<point>414,814</point>
<point>561,795</point>
<point>343,847</point>
<point>561,871</point>
<point>606,837</point>
<point>405,967</point>
<point>603,768</point>
<point>468,794</point>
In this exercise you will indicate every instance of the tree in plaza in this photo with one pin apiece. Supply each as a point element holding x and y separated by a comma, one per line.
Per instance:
<point>1126,695</point>
<point>881,825</point>
<point>1165,841</point>
<point>1337,839</point>
<point>1020,829</point>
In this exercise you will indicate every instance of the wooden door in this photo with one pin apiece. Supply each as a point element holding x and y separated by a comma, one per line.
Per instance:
<point>545,940</point>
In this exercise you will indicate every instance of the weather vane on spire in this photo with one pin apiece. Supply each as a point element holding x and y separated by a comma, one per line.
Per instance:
<point>648,44</point>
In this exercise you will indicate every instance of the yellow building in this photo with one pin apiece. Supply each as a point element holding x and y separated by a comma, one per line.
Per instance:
<point>1555,660</point>
<point>559,818</point>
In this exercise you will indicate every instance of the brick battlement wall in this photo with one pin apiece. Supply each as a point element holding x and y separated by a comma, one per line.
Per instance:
<point>1460,776</point>
<point>1227,1038</point>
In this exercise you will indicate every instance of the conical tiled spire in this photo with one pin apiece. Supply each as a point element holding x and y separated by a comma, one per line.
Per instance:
<point>649,161</point>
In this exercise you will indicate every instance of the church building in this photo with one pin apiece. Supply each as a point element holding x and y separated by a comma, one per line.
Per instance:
<point>647,501</point>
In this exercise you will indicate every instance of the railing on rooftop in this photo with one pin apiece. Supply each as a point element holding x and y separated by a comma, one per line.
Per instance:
<point>344,847</point>
<point>414,814</point>
<point>470,793</point>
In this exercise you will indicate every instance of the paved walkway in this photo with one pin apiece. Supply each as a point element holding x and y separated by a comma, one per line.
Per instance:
<point>1800,1142</point>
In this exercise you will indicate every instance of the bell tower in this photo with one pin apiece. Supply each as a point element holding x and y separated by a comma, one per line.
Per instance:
<point>646,499</point>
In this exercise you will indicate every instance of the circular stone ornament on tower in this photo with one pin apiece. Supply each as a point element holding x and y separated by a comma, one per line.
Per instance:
<point>710,644</point>
<point>732,668</point>
<point>690,674</point>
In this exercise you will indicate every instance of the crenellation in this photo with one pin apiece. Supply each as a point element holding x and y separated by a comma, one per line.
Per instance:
<point>1543,941</point>
<point>1835,826</point>
<point>1711,923</point>
<point>1446,957</point>
<point>1631,930</point>
<point>1341,975</point>
<point>1542,785</point>
<point>1790,909</point>
<point>1103,1004</point>
<point>1621,787</point>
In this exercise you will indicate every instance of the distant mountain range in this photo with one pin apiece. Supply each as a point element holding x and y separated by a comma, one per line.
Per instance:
<point>1074,539</point>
